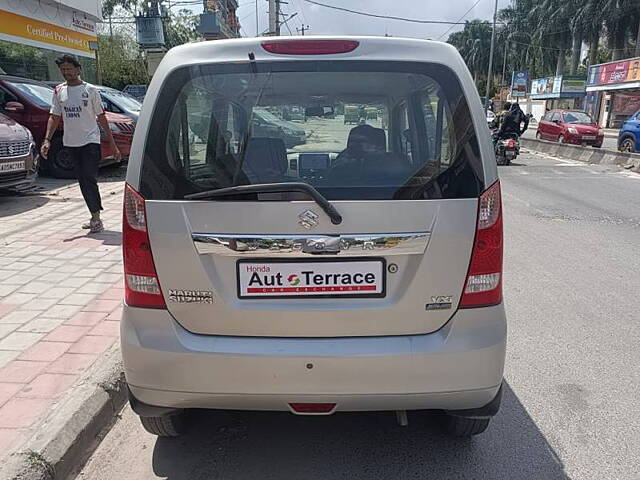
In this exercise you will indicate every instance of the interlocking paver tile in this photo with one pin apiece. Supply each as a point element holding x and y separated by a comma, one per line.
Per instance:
<point>71,363</point>
<point>39,271</point>
<point>74,282</point>
<point>45,351</point>
<point>86,318</point>
<point>94,287</point>
<point>19,371</point>
<point>61,311</point>
<point>8,390</point>
<point>7,356</point>
<point>19,316</point>
<point>7,328</point>
<point>67,333</point>
<point>87,272</point>
<point>107,328</point>
<point>6,308</point>
<point>19,340</point>
<point>77,299</point>
<point>54,277</point>
<point>57,292</point>
<point>19,298</point>
<point>35,287</point>
<point>41,325</point>
<point>47,385</point>
<point>103,306</point>
<point>92,344</point>
<point>7,289</point>
<point>10,438</point>
<point>19,279</point>
<point>22,412</point>
<point>39,303</point>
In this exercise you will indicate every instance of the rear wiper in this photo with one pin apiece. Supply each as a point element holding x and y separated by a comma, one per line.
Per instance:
<point>283,187</point>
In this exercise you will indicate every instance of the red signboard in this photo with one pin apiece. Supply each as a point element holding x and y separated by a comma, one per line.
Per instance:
<point>611,73</point>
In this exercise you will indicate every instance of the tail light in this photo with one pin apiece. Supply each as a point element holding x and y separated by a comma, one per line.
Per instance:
<point>484,280</point>
<point>511,143</point>
<point>310,47</point>
<point>142,288</point>
<point>312,408</point>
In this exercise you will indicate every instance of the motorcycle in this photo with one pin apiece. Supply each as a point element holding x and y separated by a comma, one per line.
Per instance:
<point>507,148</point>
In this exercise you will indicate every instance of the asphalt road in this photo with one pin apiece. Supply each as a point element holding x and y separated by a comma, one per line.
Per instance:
<point>570,410</point>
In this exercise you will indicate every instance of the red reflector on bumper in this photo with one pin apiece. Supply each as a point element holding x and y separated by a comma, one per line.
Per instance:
<point>312,407</point>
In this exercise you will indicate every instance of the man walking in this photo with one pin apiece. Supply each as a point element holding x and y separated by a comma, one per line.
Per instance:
<point>79,106</point>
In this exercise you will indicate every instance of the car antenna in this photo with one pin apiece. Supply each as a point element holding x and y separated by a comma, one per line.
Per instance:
<point>252,59</point>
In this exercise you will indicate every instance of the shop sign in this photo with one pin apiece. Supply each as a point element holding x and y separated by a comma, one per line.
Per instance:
<point>573,85</point>
<point>558,87</point>
<point>614,73</point>
<point>38,33</point>
<point>519,84</point>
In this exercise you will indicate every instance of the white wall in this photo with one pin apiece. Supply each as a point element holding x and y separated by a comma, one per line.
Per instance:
<point>90,7</point>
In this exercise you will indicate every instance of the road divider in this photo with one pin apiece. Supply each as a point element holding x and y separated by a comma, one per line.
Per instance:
<point>599,156</point>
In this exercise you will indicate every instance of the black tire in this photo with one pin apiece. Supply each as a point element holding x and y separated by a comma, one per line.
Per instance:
<point>59,164</point>
<point>627,145</point>
<point>465,427</point>
<point>538,136</point>
<point>168,426</point>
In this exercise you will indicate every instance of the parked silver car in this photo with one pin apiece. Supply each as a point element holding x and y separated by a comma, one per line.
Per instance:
<point>363,272</point>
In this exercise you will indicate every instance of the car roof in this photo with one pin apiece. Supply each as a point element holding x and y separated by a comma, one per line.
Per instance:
<point>13,78</point>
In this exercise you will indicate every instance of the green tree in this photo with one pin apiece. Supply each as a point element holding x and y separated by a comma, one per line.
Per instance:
<point>121,62</point>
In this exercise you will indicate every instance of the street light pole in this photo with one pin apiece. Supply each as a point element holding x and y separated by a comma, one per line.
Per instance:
<point>493,46</point>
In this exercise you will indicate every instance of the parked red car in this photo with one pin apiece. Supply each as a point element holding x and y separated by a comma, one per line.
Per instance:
<point>28,103</point>
<point>570,126</point>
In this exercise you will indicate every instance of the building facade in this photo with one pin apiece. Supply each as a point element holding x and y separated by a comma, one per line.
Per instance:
<point>219,20</point>
<point>34,32</point>
<point>613,91</point>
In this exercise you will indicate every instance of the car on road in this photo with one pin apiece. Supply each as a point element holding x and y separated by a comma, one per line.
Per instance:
<point>28,102</point>
<point>570,126</point>
<point>629,135</point>
<point>115,101</point>
<point>365,275</point>
<point>18,162</point>
<point>268,124</point>
<point>136,91</point>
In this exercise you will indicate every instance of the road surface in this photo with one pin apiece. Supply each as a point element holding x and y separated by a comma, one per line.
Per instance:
<point>570,409</point>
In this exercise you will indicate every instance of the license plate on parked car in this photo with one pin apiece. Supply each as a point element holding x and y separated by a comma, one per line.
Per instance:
<point>588,137</point>
<point>347,278</point>
<point>12,166</point>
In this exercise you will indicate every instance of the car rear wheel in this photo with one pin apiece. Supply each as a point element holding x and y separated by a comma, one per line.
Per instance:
<point>538,136</point>
<point>464,426</point>
<point>60,161</point>
<point>166,426</point>
<point>628,145</point>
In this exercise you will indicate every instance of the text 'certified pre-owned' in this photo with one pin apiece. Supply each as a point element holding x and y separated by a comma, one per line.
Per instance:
<point>310,278</point>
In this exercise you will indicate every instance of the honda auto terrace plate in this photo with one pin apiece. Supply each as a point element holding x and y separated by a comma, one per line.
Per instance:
<point>317,278</point>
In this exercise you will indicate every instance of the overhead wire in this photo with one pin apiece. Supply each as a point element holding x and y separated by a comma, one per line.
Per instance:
<point>461,18</point>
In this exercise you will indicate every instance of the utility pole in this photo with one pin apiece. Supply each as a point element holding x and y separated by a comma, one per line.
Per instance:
<point>257,31</point>
<point>493,46</point>
<point>303,29</point>
<point>274,21</point>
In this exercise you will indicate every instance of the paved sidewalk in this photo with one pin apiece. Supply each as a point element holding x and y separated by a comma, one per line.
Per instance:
<point>60,300</point>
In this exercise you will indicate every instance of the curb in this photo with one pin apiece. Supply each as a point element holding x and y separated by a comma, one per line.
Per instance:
<point>592,155</point>
<point>68,435</point>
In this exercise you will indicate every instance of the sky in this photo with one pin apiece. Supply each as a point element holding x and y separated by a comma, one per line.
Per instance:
<point>322,20</point>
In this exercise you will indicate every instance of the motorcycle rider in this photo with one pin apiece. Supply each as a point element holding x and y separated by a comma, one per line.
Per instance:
<point>511,122</point>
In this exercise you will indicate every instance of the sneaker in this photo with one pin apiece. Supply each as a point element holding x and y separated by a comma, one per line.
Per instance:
<point>96,226</point>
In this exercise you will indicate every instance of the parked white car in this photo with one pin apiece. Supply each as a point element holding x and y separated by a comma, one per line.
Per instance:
<point>363,273</point>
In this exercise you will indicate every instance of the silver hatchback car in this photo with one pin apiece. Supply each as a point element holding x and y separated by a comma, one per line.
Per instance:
<point>359,270</point>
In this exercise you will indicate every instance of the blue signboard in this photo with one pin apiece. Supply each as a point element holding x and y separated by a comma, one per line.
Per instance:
<point>519,83</point>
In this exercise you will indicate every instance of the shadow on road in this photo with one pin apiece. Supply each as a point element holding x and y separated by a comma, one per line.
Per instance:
<point>108,237</point>
<point>12,204</point>
<point>261,445</point>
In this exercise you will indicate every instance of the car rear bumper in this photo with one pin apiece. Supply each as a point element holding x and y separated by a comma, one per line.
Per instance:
<point>458,367</point>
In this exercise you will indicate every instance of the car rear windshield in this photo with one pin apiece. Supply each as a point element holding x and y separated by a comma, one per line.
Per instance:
<point>41,95</point>
<point>578,117</point>
<point>370,131</point>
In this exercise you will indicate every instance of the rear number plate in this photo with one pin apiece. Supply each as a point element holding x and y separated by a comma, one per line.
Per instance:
<point>331,278</point>
<point>588,137</point>
<point>12,166</point>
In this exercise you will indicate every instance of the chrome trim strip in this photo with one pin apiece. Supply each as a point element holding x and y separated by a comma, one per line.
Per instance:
<point>360,245</point>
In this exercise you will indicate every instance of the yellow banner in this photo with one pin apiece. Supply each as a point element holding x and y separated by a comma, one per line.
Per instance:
<point>43,32</point>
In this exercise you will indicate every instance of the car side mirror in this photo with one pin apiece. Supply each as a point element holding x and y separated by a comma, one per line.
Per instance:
<point>15,107</point>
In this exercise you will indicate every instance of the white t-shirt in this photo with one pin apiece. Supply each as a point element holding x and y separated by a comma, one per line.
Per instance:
<point>78,106</point>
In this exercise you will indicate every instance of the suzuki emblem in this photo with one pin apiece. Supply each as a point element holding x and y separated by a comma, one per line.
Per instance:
<point>308,219</point>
